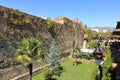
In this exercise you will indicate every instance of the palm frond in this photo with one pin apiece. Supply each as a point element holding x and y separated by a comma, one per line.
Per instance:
<point>29,49</point>
<point>24,59</point>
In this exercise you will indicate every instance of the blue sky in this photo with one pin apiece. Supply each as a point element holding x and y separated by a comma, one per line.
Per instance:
<point>91,12</point>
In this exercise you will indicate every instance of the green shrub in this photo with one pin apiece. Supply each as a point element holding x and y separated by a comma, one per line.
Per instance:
<point>48,76</point>
<point>93,43</point>
<point>107,66</point>
<point>76,49</point>
<point>49,24</point>
<point>86,56</point>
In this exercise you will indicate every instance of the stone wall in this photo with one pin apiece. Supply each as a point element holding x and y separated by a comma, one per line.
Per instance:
<point>20,72</point>
<point>16,25</point>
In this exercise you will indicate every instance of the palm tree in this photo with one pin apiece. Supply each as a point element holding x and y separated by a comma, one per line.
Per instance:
<point>76,53</point>
<point>29,51</point>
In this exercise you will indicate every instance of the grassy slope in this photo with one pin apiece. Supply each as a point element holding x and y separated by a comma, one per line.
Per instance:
<point>84,71</point>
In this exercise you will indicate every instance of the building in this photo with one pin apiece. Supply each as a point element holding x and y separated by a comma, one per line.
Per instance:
<point>116,32</point>
<point>102,29</point>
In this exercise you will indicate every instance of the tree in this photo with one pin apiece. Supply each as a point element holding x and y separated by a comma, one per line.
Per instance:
<point>93,43</point>
<point>85,26</point>
<point>81,24</point>
<point>76,52</point>
<point>106,75</point>
<point>88,31</point>
<point>28,51</point>
<point>43,55</point>
<point>54,57</point>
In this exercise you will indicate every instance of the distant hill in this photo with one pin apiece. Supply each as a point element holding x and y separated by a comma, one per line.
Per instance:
<point>102,28</point>
<point>111,28</point>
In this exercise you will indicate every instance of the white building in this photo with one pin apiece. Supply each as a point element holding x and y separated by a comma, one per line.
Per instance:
<point>101,29</point>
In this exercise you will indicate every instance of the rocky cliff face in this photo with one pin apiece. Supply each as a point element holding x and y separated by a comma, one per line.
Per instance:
<point>16,25</point>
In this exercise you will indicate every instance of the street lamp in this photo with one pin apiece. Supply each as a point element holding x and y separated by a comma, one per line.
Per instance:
<point>97,54</point>
<point>98,58</point>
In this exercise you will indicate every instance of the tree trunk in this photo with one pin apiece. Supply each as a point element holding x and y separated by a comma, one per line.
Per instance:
<point>30,70</point>
<point>45,61</point>
<point>76,63</point>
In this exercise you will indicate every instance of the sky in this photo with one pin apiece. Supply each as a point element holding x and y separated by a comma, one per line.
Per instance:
<point>93,13</point>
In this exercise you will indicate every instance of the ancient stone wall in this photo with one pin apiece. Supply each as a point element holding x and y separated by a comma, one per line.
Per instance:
<point>16,25</point>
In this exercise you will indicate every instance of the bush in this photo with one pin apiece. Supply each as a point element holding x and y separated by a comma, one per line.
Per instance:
<point>76,49</point>
<point>93,43</point>
<point>107,66</point>
<point>48,76</point>
<point>86,56</point>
